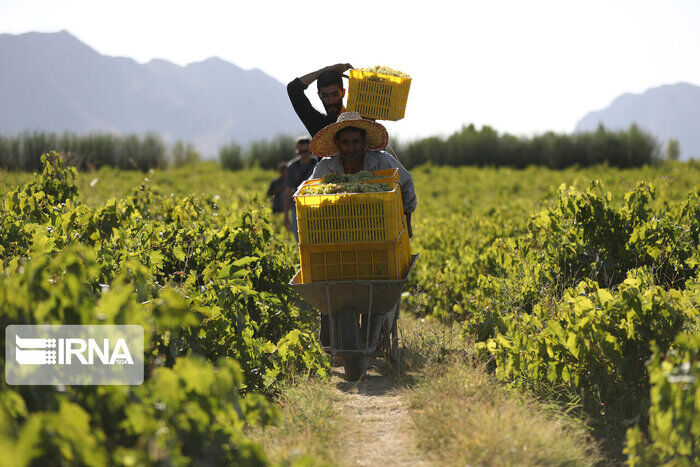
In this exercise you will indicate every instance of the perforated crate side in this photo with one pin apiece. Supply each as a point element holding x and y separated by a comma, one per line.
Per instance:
<point>378,96</point>
<point>355,261</point>
<point>348,218</point>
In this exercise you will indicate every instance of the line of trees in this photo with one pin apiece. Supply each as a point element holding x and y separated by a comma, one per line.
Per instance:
<point>265,153</point>
<point>92,151</point>
<point>23,152</point>
<point>131,152</point>
<point>468,146</point>
<point>485,147</point>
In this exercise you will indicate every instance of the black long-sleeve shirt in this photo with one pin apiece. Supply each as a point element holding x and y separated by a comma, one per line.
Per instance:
<point>312,119</point>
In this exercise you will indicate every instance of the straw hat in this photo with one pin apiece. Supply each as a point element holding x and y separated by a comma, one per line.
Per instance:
<point>323,144</point>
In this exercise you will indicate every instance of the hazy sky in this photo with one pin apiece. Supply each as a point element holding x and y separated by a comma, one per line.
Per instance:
<point>520,66</point>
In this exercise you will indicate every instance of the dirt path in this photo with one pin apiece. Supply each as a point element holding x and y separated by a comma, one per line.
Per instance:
<point>381,430</point>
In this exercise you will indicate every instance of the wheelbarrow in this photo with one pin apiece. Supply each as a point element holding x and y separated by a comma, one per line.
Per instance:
<point>362,317</point>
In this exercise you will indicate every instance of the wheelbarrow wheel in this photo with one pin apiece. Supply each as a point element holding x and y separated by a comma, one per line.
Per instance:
<point>350,340</point>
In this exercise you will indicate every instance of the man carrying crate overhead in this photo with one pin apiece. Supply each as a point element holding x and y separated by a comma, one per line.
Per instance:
<point>329,81</point>
<point>353,144</point>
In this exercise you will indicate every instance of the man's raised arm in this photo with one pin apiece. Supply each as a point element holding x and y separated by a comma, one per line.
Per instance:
<point>312,119</point>
<point>313,76</point>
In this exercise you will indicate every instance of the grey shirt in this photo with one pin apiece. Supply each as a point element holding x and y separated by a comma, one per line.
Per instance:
<point>374,160</point>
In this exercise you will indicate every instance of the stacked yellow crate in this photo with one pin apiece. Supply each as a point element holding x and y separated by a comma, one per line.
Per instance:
<point>353,236</point>
<point>378,95</point>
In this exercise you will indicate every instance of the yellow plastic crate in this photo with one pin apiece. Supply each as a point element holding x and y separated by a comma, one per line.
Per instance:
<point>349,217</point>
<point>356,261</point>
<point>378,96</point>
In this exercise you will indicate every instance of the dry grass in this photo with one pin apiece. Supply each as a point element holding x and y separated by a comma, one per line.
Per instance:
<point>310,427</point>
<point>464,417</point>
<point>424,343</point>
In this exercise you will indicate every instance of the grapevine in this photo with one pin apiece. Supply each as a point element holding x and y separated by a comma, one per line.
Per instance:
<point>208,284</point>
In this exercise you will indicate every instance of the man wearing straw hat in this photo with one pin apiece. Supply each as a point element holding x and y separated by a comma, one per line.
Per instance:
<point>353,144</point>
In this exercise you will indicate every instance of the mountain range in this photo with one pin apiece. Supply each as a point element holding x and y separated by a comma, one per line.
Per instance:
<point>54,82</point>
<point>668,111</point>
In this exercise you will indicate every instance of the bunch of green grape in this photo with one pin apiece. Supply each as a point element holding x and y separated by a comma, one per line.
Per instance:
<point>334,183</point>
<point>335,188</point>
<point>347,178</point>
<point>385,70</point>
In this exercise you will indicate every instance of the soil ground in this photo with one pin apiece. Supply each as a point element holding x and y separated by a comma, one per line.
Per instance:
<point>381,430</point>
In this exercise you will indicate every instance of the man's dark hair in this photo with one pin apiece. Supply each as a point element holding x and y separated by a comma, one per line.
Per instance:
<point>329,78</point>
<point>349,129</point>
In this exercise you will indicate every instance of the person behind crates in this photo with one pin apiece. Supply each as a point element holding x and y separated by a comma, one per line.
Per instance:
<point>353,144</point>
<point>276,191</point>
<point>298,170</point>
<point>348,146</point>
<point>329,81</point>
